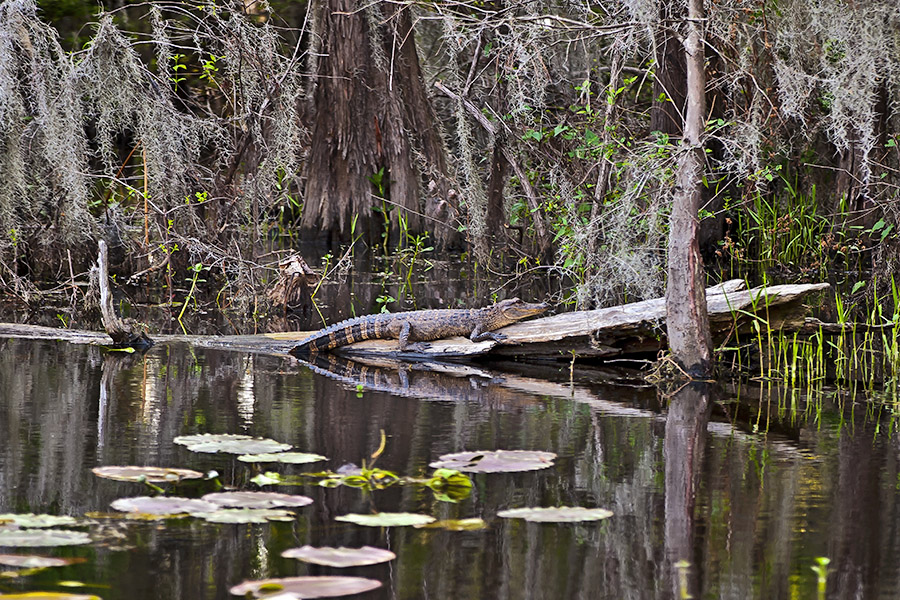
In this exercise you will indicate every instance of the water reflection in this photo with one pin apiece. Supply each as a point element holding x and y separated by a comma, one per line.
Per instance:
<point>686,422</point>
<point>688,476</point>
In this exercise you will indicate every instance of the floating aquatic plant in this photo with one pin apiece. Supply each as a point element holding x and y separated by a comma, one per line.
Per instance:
<point>340,557</point>
<point>230,443</point>
<point>473,524</point>
<point>293,458</point>
<point>48,596</point>
<point>148,474</point>
<point>387,519</point>
<point>162,505</point>
<point>496,461</point>
<point>256,499</point>
<point>288,588</point>
<point>33,538</point>
<point>245,515</point>
<point>33,520</point>
<point>556,514</point>
<point>31,561</point>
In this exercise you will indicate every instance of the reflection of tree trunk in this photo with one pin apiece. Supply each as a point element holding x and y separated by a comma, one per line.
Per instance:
<point>372,113</point>
<point>113,363</point>
<point>687,321</point>
<point>686,422</point>
<point>855,541</point>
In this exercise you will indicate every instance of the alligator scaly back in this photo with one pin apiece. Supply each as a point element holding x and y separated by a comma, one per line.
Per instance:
<point>420,326</point>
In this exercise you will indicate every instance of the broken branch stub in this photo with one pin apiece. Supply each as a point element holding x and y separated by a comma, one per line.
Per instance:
<point>124,333</point>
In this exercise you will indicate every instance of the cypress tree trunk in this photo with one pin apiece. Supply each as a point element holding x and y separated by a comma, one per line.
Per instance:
<point>686,318</point>
<point>371,116</point>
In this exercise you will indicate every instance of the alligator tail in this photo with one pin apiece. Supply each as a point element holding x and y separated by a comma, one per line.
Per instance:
<point>340,334</point>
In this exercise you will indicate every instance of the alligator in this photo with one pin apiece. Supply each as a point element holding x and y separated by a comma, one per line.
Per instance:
<point>421,326</point>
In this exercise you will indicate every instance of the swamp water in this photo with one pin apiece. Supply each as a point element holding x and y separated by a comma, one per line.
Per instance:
<point>749,497</point>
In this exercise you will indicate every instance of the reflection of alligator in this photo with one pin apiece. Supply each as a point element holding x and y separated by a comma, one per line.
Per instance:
<point>421,326</point>
<point>425,381</point>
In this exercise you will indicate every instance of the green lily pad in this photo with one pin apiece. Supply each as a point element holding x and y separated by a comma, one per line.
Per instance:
<point>305,587</point>
<point>230,443</point>
<point>48,596</point>
<point>496,461</point>
<point>245,515</point>
<point>162,505</point>
<point>557,514</point>
<point>256,499</point>
<point>31,561</point>
<point>457,525</point>
<point>33,538</point>
<point>340,557</point>
<point>387,519</point>
<point>150,474</point>
<point>32,520</point>
<point>292,458</point>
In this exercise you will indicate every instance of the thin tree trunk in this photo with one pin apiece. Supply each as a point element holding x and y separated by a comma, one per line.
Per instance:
<point>687,320</point>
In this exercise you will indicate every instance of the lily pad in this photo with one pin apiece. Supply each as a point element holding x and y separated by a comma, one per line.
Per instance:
<point>162,505</point>
<point>48,596</point>
<point>340,557</point>
<point>245,515</point>
<point>496,461</point>
<point>457,525</point>
<point>31,561</point>
<point>32,520</point>
<point>292,458</point>
<point>306,587</point>
<point>150,474</point>
<point>230,443</point>
<point>256,499</point>
<point>387,519</point>
<point>557,514</point>
<point>33,538</point>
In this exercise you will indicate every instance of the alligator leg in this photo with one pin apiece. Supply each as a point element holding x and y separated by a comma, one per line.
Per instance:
<point>480,336</point>
<point>405,345</point>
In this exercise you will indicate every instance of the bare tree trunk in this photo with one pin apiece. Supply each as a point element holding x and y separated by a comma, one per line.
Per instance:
<point>687,319</point>
<point>372,116</point>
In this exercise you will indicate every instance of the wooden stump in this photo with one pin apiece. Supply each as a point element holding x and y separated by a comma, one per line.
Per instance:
<point>123,333</point>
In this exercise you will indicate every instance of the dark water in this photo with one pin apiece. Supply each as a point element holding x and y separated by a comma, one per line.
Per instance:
<point>749,511</point>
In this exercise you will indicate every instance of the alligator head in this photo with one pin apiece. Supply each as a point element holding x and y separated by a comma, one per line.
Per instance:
<point>513,309</point>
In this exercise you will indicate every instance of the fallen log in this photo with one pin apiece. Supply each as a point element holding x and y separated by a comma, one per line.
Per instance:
<point>637,328</point>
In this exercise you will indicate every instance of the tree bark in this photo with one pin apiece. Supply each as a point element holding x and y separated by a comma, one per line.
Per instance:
<point>687,319</point>
<point>372,113</point>
<point>666,115</point>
